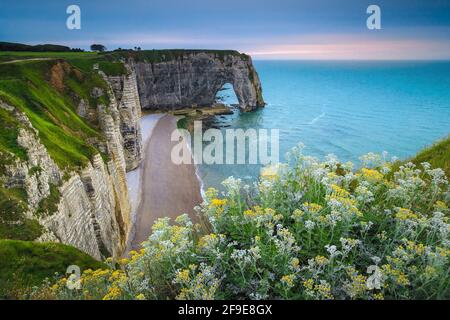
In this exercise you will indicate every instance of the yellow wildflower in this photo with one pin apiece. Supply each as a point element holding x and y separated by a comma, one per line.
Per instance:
<point>113,293</point>
<point>371,175</point>
<point>321,260</point>
<point>406,214</point>
<point>295,263</point>
<point>324,290</point>
<point>339,191</point>
<point>309,284</point>
<point>312,207</point>
<point>182,276</point>
<point>378,296</point>
<point>288,280</point>
<point>430,272</point>
<point>218,202</point>
<point>270,172</point>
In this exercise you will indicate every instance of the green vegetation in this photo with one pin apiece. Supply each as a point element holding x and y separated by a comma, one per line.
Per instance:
<point>438,155</point>
<point>309,230</point>
<point>170,54</point>
<point>13,223</point>
<point>32,87</point>
<point>10,46</point>
<point>183,122</point>
<point>9,131</point>
<point>48,92</point>
<point>49,204</point>
<point>24,264</point>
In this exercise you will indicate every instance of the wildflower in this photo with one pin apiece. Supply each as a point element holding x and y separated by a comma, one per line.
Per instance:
<point>295,263</point>
<point>348,244</point>
<point>339,191</point>
<point>332,250</point>
<point>218,202</point>
<point>288,280</point>
<point>406,214</point>
<point>297,214</point>
<point>323,289</point>
<point>378,296</point>
<point>113,293</point>
<point>309,224</point>
<point>357,286</point>
<point>210,241</point>
<point>309,284</point>
<point>321,260</point>
<point>140,297</point>
<point>312,207</point>
<point>270,172</point>
<point>443,252</point>
<point>418,249</point>
<point>430,272</point>
<point>371,175</point>
<point>182,276</point>
<point>440,205</point>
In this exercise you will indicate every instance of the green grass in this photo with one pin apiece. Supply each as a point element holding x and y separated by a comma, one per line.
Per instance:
<point>50,204</point>
<point>14,55</point>
<point>13,222</point>
<point>26,86</point>
<point>24,264</point>
<point>68,138</point>
<point>438,155</point>
<point>82,60</point>
<point>169,54</point>
<point>9,131</point>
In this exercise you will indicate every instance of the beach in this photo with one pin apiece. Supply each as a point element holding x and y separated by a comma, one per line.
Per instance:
<point>165,189</point>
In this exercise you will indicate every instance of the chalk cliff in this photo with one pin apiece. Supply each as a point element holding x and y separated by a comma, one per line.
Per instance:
<point>191,78</point>
<point>86,204</point>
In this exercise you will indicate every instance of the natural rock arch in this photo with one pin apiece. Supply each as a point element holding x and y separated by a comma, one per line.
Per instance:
<point>226,95</point>
<point>192,79</point>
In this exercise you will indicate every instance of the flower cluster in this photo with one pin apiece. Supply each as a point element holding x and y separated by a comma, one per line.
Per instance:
<point>308,230</point>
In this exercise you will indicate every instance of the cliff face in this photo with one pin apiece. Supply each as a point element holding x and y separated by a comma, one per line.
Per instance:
<point>91,208</point>
<point>82,203</point>
<point>69,136</point>
<point>125,92</point>
<point>194,78</point>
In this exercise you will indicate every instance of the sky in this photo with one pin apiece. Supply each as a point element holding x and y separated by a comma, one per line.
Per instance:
<point>265,29</point>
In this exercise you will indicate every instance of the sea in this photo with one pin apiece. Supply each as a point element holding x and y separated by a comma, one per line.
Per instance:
<point>345,108</point>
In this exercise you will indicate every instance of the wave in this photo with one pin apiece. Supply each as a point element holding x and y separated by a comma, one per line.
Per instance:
<point>317,118</point>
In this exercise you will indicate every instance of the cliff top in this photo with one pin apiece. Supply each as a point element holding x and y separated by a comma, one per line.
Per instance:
<point>171,54</point>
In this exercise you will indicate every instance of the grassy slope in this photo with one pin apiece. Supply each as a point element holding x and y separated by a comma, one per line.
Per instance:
<point>28,86</point>
<point>24,264</point>
<point>438,155</point>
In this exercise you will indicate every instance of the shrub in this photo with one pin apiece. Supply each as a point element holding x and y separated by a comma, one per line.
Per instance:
<point>307,230</point>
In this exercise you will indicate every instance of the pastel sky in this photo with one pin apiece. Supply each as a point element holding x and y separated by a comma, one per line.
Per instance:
<point>266,29</point>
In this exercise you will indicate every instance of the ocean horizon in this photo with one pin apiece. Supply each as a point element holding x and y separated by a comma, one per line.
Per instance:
<point>343,107</point>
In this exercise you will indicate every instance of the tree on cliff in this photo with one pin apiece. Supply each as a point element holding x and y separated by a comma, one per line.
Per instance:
<point>98,47</point>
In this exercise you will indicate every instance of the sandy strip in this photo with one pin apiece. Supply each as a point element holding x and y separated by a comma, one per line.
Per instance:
<point>170,190</point>
<point>148,123</point>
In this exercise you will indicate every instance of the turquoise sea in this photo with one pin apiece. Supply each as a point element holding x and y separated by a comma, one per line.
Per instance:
<point>344,108</point>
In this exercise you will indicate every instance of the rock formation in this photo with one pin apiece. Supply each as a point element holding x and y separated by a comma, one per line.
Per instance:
<point>192,79</point>
<point>90,207</point>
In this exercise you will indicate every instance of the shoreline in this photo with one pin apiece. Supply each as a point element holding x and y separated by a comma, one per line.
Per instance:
<point>134,178</point>
<point>161,197</point>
